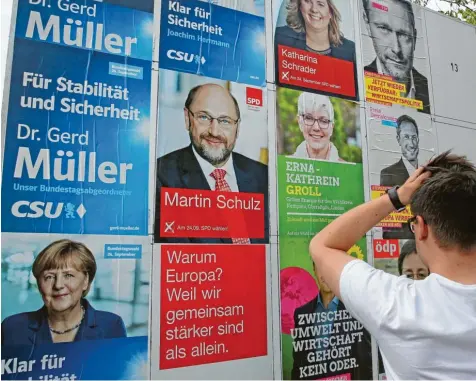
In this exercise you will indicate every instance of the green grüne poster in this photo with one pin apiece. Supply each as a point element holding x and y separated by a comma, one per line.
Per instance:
<point>320,340</point>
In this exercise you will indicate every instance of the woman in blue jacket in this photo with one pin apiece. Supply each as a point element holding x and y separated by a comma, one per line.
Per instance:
<point>64,271</point>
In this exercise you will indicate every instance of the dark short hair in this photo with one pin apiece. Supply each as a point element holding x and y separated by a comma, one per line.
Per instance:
<point>408,248</point>
<point>447,201</point>
<point>405,3</point>
<point>406,118</point>
<point>193,92</point>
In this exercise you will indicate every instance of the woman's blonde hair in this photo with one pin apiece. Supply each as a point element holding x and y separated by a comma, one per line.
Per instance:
<point>60,254</point>
<point>295,20</point>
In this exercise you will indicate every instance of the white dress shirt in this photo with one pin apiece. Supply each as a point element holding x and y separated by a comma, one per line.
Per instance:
<point>412,93</point>
<point>409,166</point>
<point>208,168</point>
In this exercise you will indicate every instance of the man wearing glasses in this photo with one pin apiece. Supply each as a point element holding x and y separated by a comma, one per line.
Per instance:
<point>316,122</point>
<point>212,119</point>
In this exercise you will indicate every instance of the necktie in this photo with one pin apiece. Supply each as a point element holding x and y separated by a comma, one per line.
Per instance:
<point>221,185</point>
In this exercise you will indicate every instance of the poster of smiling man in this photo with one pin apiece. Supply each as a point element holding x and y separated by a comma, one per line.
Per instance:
<point>395,54</point>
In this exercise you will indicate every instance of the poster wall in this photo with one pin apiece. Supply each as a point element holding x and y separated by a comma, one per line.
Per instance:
<point>400,140</point>
<point>77,131</point>
<point>315,47</point>
<point>396,68</point>
<point>452,66</point>
<point>212,174</point>
<point>319,178</point>
<point>211,188</point>
<point>214,40</point>
<point>75,253</point>
<point>456,138</point>
<point>208,313</point>
<point>75,307</point>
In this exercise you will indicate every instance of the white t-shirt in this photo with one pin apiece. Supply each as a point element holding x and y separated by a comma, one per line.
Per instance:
<point>426,329</point>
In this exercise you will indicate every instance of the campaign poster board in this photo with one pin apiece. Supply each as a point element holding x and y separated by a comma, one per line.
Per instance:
<point>400,140</point>
<point>46,277</point>
<point>315,48</point>
<point>77,129</point>
<point>222,130</point>
<point>214,39</point>
<point>460,140</point>
<point>209,292</point>
<point>312,192</point>
<point>211,317</point>
<point>453,59</point>
<point>394,52</point>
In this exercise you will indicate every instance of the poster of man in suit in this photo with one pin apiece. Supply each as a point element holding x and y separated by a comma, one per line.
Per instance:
<point>210,139</point>
<point>394,50</point>
<point>400,141</point>
<point>408,140</point>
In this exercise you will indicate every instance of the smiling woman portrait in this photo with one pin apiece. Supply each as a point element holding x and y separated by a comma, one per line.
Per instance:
<point>316,121</point>
<point>314,26</point>
<point>64,272</point>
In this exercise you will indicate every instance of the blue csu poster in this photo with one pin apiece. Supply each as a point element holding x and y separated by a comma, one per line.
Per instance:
<point>199,37</point>
<point>77,140</point>
<point>112,359</point>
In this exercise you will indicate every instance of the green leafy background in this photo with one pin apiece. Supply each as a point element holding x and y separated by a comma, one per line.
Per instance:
<point>346,126</point>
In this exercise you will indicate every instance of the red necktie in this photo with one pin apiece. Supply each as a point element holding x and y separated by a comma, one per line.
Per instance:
<point>222,185</point>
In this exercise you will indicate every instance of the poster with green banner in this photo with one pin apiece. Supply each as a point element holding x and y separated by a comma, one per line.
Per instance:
<point>311,190</point>
<point>320,177</point>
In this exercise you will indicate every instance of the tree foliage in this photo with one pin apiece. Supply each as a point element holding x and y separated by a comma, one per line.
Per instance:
<point>464,10</point>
